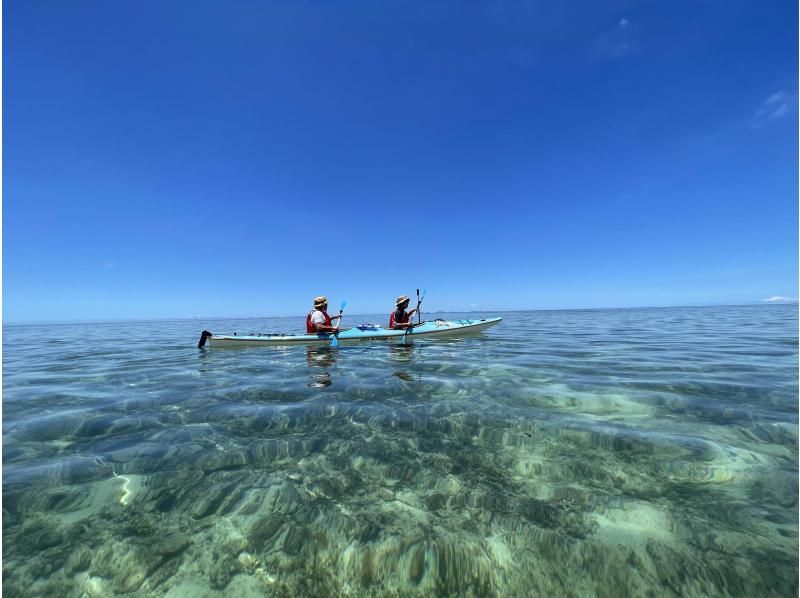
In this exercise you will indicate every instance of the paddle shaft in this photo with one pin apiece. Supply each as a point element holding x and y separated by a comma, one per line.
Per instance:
<point>408,328</point>
<point>335,338</point>
<point>419,317</point>
<point>419,302</point>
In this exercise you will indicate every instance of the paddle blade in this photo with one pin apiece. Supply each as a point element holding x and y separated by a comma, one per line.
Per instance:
<point>344,304</point>
<point>334,341</point>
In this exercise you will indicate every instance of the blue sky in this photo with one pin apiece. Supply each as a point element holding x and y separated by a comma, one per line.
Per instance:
<point>239,158</point>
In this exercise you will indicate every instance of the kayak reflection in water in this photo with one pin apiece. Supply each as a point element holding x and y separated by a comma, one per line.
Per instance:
<point>320,357</point>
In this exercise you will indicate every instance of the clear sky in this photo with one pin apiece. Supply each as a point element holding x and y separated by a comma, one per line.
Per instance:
<point>176,159</point>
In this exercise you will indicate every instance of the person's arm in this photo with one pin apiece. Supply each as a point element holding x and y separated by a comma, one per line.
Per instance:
<point>333,328</point>
<point>320,326</point>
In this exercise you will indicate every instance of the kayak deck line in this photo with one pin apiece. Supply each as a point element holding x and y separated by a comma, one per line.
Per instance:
<point>431,328</point>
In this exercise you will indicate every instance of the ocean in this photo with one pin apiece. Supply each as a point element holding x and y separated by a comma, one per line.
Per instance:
<point>625,452</point>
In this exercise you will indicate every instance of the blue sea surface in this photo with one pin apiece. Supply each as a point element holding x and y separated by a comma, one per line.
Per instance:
<point>630,452</point>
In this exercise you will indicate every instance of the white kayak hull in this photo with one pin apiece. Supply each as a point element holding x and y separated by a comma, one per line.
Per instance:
<point>426,330</point>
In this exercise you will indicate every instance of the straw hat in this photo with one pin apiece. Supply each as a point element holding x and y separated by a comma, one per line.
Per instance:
<point>401,299</point>
<point>320,301</point>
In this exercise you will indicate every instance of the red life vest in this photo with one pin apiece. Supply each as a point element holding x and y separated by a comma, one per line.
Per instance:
<point>310,327</point>
<point>403,319</point>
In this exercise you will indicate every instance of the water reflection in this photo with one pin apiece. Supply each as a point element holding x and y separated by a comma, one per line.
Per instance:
<point>320,357</point>
<point>403,354</point>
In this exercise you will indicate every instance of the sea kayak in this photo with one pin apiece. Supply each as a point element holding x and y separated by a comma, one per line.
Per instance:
<point>365,332</point>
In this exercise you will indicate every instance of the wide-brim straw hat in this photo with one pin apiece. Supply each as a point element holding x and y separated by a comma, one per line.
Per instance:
<point>401,299</point>
<point>319,301</point>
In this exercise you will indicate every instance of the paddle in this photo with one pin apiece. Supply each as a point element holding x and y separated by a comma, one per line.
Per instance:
<point>419,319</point>
<point>405,336</point>
<point>334,338</point>
<point>419,302</point>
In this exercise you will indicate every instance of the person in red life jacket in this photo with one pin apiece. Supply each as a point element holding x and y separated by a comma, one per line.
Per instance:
<point>400,318</point>
<point>318,319</point>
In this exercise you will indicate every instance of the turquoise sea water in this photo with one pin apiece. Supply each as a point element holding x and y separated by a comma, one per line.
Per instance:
<point>640,452</point>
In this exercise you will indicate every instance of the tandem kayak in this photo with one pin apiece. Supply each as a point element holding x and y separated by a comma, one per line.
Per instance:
<point>366,332</point>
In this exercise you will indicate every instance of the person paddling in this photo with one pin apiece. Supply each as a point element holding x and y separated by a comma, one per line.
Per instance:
<point>318,319</point>
<point>400,318</point>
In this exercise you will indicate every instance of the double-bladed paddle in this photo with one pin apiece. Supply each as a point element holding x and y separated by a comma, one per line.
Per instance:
<point>334,338</point>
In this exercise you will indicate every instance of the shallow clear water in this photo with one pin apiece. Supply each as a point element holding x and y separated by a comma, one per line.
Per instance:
<point>607,452</point>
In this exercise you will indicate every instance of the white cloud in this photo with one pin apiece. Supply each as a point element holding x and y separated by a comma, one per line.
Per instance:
<point>618,40</point>
<point>775,98</point>
<point>775,106</point>
<point>780,111</point>
<point>779,299</point>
